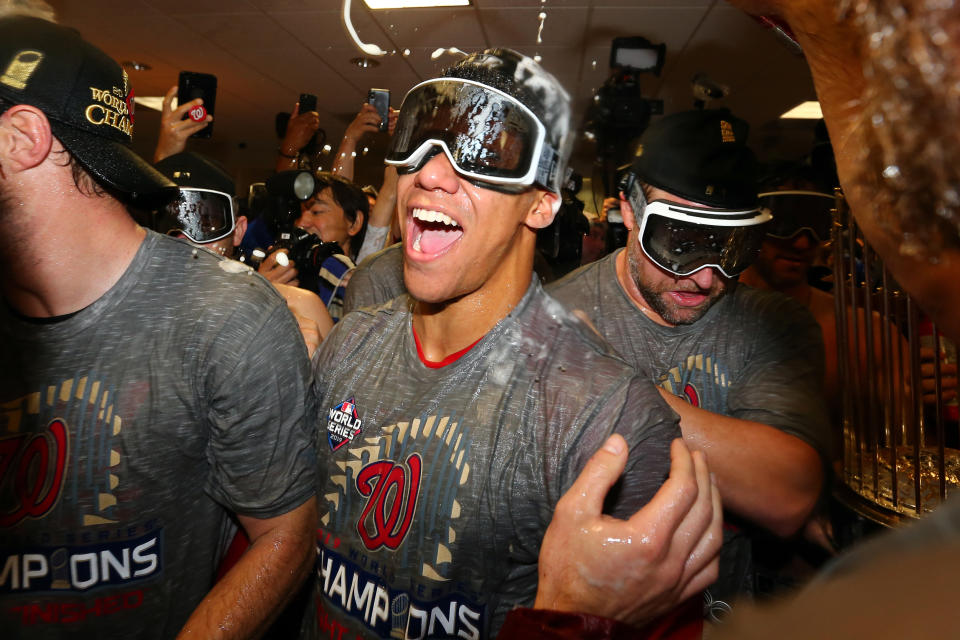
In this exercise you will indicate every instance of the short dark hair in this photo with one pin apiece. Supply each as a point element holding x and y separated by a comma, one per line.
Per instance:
<point>351,199</point>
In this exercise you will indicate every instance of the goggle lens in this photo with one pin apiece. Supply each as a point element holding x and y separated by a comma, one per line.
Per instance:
<point>683,247</point>
<point>486,135</point>
<point>796,211</point>
<point>201,215</point>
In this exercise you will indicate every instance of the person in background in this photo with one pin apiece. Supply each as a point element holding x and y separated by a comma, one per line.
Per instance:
<point>172,139</point>
<point>203,214</point>
<point>884,110</point>
<point>174,128</point>
<point>802,218</point>
<point>742,368</point>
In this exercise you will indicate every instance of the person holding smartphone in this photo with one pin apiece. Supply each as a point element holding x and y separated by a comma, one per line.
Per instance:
<point>366,121</point>
<point>174,129</point>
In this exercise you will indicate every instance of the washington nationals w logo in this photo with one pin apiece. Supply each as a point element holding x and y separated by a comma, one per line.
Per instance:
<point>31,472</point>
<point>392,490</point>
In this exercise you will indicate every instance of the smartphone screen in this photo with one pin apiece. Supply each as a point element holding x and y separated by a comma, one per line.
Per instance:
<point>307,102</point>
<point>194,85</point>
<point>380,98</point>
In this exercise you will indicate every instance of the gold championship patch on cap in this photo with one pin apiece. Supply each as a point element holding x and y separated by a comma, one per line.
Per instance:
<point>84,94</point>
<point>726,132</point>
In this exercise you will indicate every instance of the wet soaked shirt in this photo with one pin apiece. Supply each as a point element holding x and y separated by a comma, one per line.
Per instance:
<point>437,484</point>
<point>130,428</point>
<point>376,280</point>
<point>755,355</point>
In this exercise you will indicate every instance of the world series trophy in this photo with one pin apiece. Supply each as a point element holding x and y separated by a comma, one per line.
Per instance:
<point>398,610</point>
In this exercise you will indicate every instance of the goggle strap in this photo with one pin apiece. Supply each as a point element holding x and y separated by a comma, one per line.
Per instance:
<point>635,196</point>
<point>547,167</point>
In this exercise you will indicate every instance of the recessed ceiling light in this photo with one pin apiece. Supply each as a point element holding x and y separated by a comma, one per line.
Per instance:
<point>365,63</point>
<point>805,111</point>
<point>411,4</point>
<point>136,66</point>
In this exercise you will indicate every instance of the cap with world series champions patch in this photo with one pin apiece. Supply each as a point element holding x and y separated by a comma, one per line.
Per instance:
<point>85,95</point>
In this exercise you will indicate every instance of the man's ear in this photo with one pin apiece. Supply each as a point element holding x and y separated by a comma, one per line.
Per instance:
<point>25,138</point>
<point>356,225</point>
<point>626,211</point>
<point>543,210</point>
<point>239,230</point>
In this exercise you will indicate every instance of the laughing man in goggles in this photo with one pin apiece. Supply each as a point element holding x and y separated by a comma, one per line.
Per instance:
<point>495,396</point>
<point>742,367</point>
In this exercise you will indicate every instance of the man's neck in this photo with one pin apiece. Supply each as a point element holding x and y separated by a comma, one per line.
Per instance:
<point>451,326</point>
<point>67,253</point>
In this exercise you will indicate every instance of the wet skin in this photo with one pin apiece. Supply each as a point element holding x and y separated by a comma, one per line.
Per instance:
<point>665,298</point>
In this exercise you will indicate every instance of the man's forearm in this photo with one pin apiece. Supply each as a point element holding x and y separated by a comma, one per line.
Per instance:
<point>255,590</point>
<point>765,475</point>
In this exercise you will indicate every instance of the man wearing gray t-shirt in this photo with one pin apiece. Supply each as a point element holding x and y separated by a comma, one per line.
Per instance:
<point>454,418</point>
<point>743,368</point>
<point>150,393</point>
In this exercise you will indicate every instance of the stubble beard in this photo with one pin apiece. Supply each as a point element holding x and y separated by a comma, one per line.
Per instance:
<point>653,296</point>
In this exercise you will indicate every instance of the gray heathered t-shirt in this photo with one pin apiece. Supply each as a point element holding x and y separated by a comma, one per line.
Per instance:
<point>437,484</point>
<point>129,429</point>
<point>376,280</point>
<point>755,355</point>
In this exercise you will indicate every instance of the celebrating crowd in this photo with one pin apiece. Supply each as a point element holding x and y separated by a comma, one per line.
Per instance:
<point>218,425</point>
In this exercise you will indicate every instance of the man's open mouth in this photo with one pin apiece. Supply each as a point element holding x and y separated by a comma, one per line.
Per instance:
<point>432,231</point>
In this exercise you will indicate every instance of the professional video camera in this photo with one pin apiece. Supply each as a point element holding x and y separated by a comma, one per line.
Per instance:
<point>619,112</point>
<point>277,202</point>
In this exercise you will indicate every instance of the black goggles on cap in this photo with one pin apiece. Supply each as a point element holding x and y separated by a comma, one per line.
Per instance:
<point>796,211</point>
<point>202,215</point>
<point>487,135</point>
<point>684,239</point>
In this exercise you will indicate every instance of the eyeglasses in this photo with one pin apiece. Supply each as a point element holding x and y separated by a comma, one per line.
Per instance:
<point>202,215</point>
<point>796,211</point>
<point>487,135</point>
<point>684,239</point>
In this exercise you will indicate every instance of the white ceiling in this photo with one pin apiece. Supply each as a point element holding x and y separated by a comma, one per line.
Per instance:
<point>266,52</point>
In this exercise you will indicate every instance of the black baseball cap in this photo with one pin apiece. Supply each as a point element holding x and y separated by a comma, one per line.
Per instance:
<point>700,156</point>
<point>203,208</point>
<point>192,170</point>
<point>85,95</point>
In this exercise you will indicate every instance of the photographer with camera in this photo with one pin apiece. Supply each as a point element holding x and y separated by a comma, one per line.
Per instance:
<point>315,221</point>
